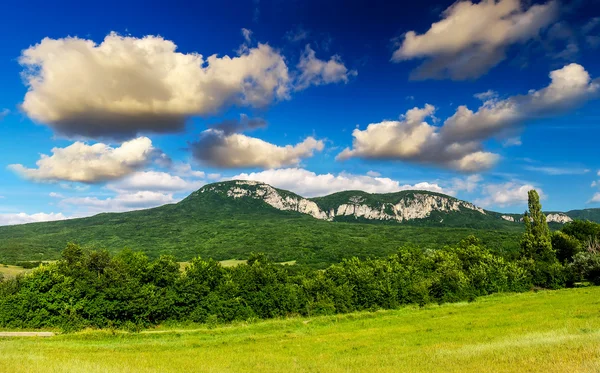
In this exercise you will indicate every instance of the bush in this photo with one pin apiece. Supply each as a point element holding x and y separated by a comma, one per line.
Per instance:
<point>586,267</point>
<point>129,291</point>
<point>566,246</point>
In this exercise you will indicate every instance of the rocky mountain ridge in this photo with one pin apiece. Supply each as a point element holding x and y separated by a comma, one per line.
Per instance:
<point>400,207</point>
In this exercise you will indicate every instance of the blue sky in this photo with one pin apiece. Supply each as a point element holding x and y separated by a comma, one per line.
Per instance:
<point>108,106</point>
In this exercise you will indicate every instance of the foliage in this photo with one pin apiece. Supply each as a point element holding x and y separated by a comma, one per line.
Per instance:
<point>537,253</point>
<point>212,226</point>
<point>128,290</point>
<point>536,243</point>
<point>582,230</point>
<point>586,264</point>
<point>565,246</point>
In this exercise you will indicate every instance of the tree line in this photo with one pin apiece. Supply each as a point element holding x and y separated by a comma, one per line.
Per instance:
<point>128,290</point>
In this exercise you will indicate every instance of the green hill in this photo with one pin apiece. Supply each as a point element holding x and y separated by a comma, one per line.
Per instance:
<point>229,220</point>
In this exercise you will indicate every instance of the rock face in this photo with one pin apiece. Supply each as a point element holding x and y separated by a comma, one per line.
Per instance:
<point>508,218</point>
<point>558,218</point>
<point>420,204</point>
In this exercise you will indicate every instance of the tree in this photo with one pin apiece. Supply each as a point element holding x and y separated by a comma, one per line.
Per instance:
<point>566,246</point>
<point>536,248</point>
<point>536,242</point>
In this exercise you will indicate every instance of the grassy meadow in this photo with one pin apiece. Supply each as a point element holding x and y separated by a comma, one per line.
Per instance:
<point>547,331</point>
<point>11,271</point>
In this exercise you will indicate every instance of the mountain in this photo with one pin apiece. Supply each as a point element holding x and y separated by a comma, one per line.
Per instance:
<point>415,207</point>
<point>229,220</point>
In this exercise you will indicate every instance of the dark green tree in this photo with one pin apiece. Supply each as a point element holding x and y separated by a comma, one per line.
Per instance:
<point>536,242</point>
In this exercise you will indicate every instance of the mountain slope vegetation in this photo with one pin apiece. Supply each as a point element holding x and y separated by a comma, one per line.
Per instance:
<point>230,220</point>
<point>227,221</point>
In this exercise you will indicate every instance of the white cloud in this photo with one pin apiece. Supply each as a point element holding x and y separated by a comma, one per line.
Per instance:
<point>595,198</point>
<point>314,71</point>
<point>154,181</point>
<point>310,184</point>
<point>512,141</point>
<point>554,171</point>
<point>23,218</point>
<point>74,186</point>
<point>468,184</point>
<point>487,95</point>
<point>126,85</point>
<point>186,170</point>
<point>247,34</point>
<point>458,144</point>
<point>216,148</point>
<point>506,194</point>
<point>473,37</point>
<point>85,206</point>
<point>569,87</point>
<point>373,173</point>
<point>296,35</point>
<point>4,113</point>
<point>89,163</point>
<point>412,139</point>
<point>56,195</point>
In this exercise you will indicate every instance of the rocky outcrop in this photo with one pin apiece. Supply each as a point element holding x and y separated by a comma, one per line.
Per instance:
<point>558,218</point>
<point>417,206</point>
<point>508,218</point>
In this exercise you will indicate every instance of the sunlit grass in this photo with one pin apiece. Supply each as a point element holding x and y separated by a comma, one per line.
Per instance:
<point>11,271</point>
<point>550,331</point>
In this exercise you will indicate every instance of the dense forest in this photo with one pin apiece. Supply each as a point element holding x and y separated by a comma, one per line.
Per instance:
<point>128,290</point>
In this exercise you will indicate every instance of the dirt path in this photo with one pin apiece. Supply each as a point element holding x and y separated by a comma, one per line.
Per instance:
<point>27,334</point>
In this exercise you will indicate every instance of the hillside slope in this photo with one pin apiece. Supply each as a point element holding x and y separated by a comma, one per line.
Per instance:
<point>232,219</point>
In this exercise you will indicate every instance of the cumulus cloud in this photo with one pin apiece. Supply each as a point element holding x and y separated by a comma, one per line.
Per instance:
<point>570,86</point>
<point>23,218</point>
<point>507,194</point>
<point>85,163</point>
<point>154,181</point>
<point>473,37</point>
<point>458,144</point>
<point>126,85</point>
<point>413,139</point>
<point>120,203</point>
<point>314,71</point>
<point>216,148</point>
<point>310,184</point>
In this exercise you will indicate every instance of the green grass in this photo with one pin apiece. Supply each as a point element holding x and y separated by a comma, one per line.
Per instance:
<point>549,331</point>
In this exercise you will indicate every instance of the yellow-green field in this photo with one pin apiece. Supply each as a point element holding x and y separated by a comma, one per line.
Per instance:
<point>232,263</point>
<point>550,331</point>
<point>11,271</point>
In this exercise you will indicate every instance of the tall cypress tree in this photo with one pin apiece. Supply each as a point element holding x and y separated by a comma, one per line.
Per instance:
<point>536,242</point>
